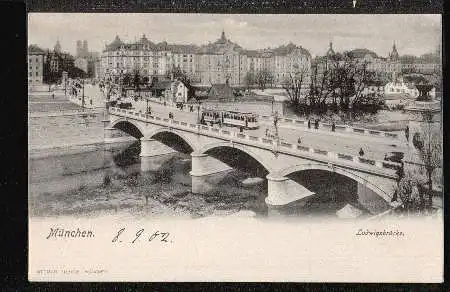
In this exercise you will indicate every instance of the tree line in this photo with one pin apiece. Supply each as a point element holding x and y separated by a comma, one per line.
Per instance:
<point>335,83</point>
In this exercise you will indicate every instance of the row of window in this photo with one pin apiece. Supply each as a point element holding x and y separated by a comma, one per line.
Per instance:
<point>30,74</point>
<point>36,59</point>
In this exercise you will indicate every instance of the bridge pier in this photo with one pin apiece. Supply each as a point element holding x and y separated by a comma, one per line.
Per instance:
<point>206,172</point>
<point>151,147</point>
<point>154,163</point>
<point>285,196</point>
<point>371,201</point>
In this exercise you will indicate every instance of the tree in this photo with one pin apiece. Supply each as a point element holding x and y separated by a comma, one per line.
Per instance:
<point>137,81</point>
<point>249,80</point>
<point>429,146</point>
<point>294,82</point>
<point>126,79</point>
<point>410,193</point>
<point>180,75</point>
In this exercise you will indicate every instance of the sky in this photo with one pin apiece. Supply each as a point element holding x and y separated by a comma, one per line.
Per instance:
<point>413,34</point>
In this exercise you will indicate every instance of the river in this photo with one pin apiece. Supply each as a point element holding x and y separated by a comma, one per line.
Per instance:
<point>71,172</point>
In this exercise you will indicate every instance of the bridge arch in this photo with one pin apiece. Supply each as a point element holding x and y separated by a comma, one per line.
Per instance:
<point>342,171</point>
<point>180,134</point>
<point>259,158</point>
<point>129,127</point>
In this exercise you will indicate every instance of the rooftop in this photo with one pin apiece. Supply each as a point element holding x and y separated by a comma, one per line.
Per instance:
<point>34,49</point>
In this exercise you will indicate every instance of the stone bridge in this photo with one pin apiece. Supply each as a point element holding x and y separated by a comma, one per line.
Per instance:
<point>376,180</point>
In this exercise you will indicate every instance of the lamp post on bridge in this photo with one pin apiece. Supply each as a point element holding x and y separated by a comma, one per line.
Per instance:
<point>82,97</point>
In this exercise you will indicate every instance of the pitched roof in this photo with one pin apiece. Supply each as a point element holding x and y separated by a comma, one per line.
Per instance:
<point>250,53</point>
<point>34,49</point>
<point>183,49</point>
<point>116,43</point>
<point>289,48</point>
<point>361,53</point>
<point>164,84</point>
<point>220,90</point>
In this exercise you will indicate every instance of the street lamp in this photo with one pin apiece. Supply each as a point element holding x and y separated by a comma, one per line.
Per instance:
<point>273,98</point>
<point>198,112</point>
<point>82,97</point>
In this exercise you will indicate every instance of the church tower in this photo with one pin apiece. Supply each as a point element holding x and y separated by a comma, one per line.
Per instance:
<point>85,49</point>
<point>57,47</point>
<point>330,51</point>
<point>394,54</point>
<point>79,49</point>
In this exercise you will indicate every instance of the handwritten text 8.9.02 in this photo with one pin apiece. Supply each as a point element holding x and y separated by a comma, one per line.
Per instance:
<point>141,235</point>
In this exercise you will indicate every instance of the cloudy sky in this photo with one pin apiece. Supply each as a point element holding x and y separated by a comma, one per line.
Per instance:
<point>413,34</point>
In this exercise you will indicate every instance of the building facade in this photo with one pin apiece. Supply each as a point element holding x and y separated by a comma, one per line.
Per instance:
<point>220,62</point>
<point>36,59</point>
<point>81,63</point>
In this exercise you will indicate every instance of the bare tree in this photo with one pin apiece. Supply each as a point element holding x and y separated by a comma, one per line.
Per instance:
<point>294,82</point>
<point>409,193</point>
<point>429,147</point>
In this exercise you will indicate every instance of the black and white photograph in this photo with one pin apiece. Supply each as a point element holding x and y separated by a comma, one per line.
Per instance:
<point>197,133</point>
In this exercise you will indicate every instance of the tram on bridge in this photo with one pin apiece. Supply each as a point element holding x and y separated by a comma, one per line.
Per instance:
<point>230,118</point>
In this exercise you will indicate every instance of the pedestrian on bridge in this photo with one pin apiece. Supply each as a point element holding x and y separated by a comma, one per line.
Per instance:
<point>407,133</point>
<point>361,152</point>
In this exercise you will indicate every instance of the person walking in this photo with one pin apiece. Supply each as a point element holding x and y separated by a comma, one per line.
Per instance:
<point>333,127</point>
<point>361,152</point>
<point>407,133</point>
<point>53,95</point>
<point>309,124</point>
<point>316,125</point>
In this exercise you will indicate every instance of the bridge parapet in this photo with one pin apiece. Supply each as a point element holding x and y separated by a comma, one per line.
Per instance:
<point>382,168</point>
<point>338,128</point>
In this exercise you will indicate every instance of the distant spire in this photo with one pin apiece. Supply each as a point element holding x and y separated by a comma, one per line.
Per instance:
<point>57,47</point>
<point>394,53</point>
<point>330,49</point>
<point>223,35</point>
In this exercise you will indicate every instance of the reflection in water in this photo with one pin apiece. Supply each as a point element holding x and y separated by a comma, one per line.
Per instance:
<point>112,180</point>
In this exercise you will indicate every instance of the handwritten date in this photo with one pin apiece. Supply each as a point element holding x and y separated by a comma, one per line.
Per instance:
<point>142,235</point>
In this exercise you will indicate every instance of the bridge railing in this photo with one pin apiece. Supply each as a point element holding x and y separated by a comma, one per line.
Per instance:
<point>338,128</point>
<point>280,146</point>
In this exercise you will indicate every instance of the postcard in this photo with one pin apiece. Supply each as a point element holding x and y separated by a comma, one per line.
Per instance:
<point>235,147</point>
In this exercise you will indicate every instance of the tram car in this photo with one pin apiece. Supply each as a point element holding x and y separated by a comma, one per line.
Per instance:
<point>237,119</point>
<point>230,118</point>
<point>211,117</point>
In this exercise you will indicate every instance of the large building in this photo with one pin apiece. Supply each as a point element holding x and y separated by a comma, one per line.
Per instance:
<point>220,62</point>
<point>392,64</point>
<point>59,61</point>
<point>87,61</point>
<point>36,59</point>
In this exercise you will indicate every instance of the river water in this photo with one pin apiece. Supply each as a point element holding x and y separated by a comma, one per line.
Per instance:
<point>71,172</point>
